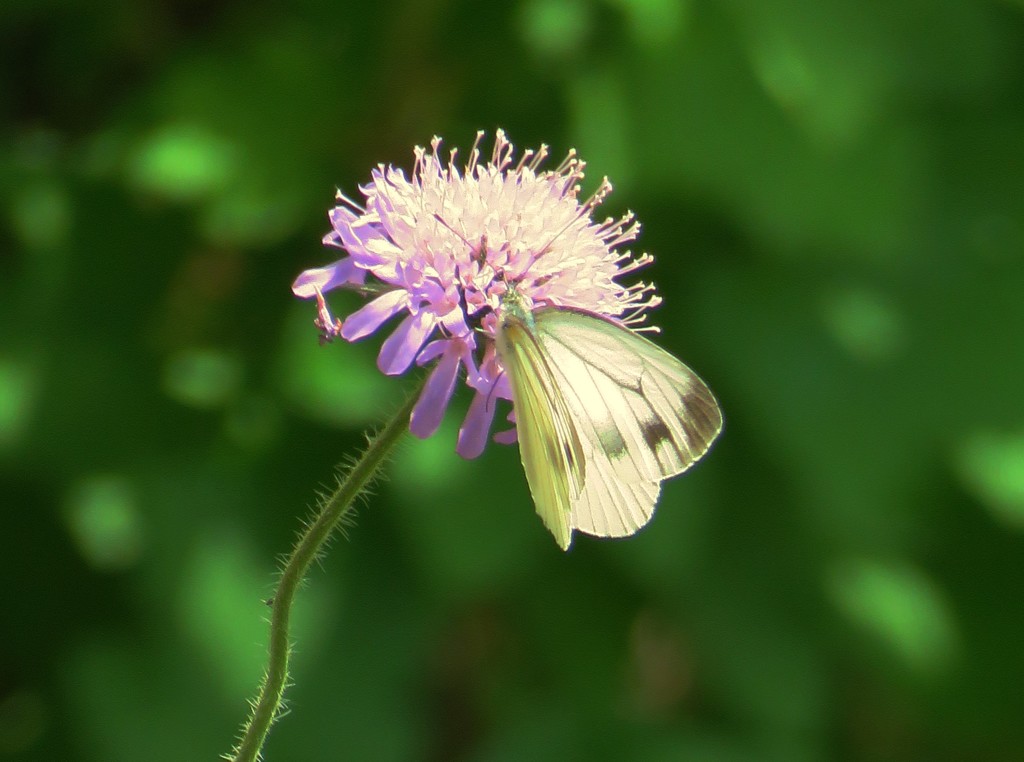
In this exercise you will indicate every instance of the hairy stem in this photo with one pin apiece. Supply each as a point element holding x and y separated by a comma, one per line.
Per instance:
<point>330,512</point>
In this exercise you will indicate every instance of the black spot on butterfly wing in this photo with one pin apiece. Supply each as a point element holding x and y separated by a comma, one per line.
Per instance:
<point>693,417</point>
<point>656,432</point>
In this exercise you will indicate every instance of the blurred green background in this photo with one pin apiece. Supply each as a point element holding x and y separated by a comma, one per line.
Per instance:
<point>835,196</point>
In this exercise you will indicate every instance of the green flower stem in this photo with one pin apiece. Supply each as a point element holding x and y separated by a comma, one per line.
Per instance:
<point>331,511</point>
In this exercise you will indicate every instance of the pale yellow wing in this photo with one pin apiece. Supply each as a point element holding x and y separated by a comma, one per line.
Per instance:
<point>549,446</point>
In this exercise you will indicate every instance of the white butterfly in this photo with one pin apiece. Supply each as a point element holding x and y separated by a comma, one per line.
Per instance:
<point>603,417</point>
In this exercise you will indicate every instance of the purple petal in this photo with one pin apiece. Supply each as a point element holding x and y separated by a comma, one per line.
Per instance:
<point>503,390</point>
<point>455,322</point>
<point>341,217</point>
<point>371,316</point>
<point>482,378</point>
<point>433,350</point>
<point>326,278</point>
<point>354,237</point>
<point>460,346</point>
<point>468,361</point>
<point>378,253</point>
<point>429,410</point>
<point>509,437</point>
<point>401,347</point>
<point>476,426</point>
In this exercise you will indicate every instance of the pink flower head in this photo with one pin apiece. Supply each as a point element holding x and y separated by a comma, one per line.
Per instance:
<point>438,249</point>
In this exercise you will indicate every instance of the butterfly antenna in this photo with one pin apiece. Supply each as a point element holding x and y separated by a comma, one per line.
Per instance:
<point>494,386</point>
<point>459,235</point>
<point>479,251</point>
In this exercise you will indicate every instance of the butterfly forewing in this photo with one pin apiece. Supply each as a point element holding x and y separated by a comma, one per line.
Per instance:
<point>553,456</point>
